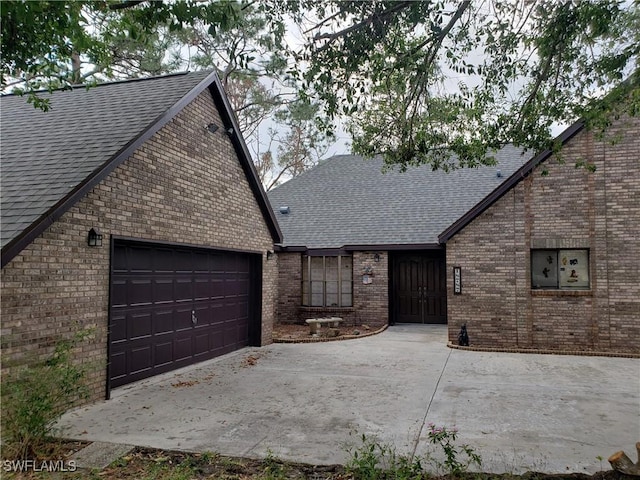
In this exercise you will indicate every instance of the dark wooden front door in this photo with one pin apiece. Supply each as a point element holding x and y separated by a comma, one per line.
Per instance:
<point>419,288</point>
<point>173,306</point>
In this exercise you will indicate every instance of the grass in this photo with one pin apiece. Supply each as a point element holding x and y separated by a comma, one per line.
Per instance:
<point>380,463</point>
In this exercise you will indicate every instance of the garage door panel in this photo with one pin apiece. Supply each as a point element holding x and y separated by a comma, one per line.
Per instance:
<point>140,359</point>
<point>183,289</point>
<point>183,346</point>
<point>200,261</point>
<point>118,365</point>
<point>163,290</point>
<point>140,291</point>
<point>139,259</point>
<point>182,318</point>
<point>217,286</point>
<point>237,309</point>
<point>118,328</point>
<point>163,352</point>
<point>163,260</point>
<point>232,333</point>
<point>183,261</point>
<point>118,292</point>
<point>202,288</point>
<point>201,343</point>
<point>216,262</point>
<point>203,316</point>
<point>140,325</point>
<point>217,340</point>
<point>155,289</point>
<point>163,322</point>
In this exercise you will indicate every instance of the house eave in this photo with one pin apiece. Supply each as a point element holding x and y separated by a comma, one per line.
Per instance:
<point>361,247</point>
<point>240,146</point>
<point>20,242</point>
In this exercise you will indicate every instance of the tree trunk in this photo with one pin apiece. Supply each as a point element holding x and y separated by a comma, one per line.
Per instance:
<point>621,463</point>
<point>76,66</point>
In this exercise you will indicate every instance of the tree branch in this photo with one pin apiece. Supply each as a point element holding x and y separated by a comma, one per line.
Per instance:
<point>275,181</point>
<point>331,37</point>
<point>431,56</point>
<point>322,22</point>
<point>125,4</point>
<point>439,38</point>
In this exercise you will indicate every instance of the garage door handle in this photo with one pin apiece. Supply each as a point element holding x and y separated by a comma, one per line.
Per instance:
<point>194,319</point>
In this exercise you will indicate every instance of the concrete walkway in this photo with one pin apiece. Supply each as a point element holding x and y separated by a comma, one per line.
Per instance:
<point>306,402</point>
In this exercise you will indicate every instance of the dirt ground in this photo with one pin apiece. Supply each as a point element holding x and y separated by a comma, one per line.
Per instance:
<point>143,463</point>
<point>287,333</point>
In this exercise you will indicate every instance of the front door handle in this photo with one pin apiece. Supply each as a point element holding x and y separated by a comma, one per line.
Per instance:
<point>194,319</point>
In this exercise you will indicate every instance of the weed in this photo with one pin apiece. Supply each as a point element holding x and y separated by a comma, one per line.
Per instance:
<point>34,396</point>
<point>209,457</point>
<point>274,468</point>
<point>445,439</point>
<point>168,471</point>
<point>365,459</point>
<point>373,460</point>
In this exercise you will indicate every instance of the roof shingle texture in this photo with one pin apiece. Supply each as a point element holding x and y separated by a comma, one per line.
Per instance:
<point>347,200</point>
<point>46,155</point>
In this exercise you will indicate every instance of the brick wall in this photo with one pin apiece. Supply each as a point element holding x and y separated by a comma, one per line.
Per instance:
<point>184,185</point>
<point>568,208</point>
<point>370,302</point>
<point>289,288</point>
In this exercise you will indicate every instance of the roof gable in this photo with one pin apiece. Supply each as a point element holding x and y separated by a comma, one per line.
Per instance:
<point>512,181</point>
<point>348,201</point>
<point>51,159</point>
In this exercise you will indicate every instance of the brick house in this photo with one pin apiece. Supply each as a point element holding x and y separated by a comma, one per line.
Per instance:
<point>362,244</point>
<point>525,260</point>
<point>133,209</point>
<point>553,261</point>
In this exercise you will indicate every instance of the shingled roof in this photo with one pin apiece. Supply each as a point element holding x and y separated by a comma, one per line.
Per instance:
<point>50,159</point>
<point>349,202</point>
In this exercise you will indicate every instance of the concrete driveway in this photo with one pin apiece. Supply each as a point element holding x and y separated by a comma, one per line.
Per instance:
<point>305,402</point>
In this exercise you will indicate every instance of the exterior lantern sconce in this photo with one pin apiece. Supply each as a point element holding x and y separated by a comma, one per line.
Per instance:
<point>270,254</point>
<point>94,238</point>
<point>376,257</point>
<point>212,127</point>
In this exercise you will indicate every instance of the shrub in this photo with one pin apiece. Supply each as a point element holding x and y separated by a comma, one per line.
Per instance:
<point>34,396</point>
<point>453,463</point>
<point>373,460</point>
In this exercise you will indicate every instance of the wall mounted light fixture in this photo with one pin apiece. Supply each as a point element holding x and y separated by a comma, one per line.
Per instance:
<point>94,238</point>
<point>270,254</point>
<point>376,257</point>
<point>212,127</point>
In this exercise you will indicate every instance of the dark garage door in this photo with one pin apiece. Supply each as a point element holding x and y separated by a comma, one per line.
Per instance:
<point>174,306</point>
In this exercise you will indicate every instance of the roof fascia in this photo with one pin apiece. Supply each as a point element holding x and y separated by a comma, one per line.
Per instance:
<point>233,130</point>
<point>320,252</point>
<point>28,235</point>
<point>364,248</point>
<point>394,247</point>
<point>509,183</point>
<point>280,248</point>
